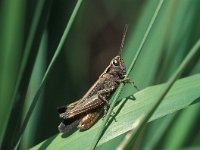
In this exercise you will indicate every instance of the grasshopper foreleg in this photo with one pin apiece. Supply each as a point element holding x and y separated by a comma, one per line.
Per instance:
<point>126,79</point>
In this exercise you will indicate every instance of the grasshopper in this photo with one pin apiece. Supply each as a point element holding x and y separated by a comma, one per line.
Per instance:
<point>86,111</point>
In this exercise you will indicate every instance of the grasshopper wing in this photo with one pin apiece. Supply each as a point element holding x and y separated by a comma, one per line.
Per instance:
<point>82,107</point>
<point>65,108</point>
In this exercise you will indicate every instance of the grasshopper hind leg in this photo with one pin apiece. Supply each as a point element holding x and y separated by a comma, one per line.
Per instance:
<point>90,119</point>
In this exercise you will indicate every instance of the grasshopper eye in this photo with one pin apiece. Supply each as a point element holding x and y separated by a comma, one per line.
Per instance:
<point>115,62</point>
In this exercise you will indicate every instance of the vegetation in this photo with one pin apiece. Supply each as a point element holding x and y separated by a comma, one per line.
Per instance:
<point>51,52</point>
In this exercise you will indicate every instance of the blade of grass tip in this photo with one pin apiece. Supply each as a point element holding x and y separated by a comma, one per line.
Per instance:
<point>102,129</point>
<point>58,49</point>
<point>128,142</point>
<point>25,55</point>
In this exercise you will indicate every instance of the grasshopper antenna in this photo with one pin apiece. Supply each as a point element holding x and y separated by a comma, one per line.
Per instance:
<point>126,79</point>
<point>123,39</point>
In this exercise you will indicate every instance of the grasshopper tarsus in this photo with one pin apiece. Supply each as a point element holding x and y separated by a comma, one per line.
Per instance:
<point>128,80</point>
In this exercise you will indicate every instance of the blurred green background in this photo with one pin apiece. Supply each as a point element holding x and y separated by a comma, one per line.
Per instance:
<point>29,35</point>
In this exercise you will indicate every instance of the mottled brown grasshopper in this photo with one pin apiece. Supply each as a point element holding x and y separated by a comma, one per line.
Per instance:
<point>86,111</point>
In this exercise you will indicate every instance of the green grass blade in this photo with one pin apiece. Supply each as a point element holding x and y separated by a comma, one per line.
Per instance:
<point>134,134</point>
<point>184,92</point>
<point>116,96</point>
<point>157,132</point>
<point>37,74</point>
<point>58,49</point>
<point>17,103</point>
<point>11,35</point>
<point>30,40</point>
<point>145,36</point>
<point>181,130</point>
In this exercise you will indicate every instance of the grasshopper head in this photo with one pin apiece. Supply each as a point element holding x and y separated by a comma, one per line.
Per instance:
<point>117,67</point>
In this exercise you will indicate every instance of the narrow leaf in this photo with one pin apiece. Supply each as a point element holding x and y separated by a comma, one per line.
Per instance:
<point>183,93</point>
